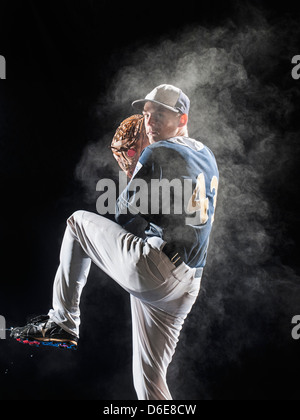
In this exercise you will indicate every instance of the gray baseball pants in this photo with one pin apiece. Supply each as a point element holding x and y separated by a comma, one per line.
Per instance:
<point>161,294</point>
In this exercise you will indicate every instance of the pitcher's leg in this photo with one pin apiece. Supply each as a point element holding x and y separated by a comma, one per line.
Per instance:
<point>90,237</point>
<point>70,279</point>
<point>155,336</point>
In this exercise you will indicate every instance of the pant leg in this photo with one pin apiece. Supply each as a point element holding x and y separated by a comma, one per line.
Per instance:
<point>154,343</point>
<point>156,325</point>
<point>69,282</point>
<point>161,296</point>
<point>90,237</point>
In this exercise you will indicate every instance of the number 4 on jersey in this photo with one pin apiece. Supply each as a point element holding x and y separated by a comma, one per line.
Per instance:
<point>199,202</point>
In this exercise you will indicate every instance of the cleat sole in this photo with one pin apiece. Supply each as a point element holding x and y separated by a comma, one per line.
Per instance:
<point>57,344</point>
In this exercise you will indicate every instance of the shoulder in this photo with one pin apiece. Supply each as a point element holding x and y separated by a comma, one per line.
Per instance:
<point>158,150</point>
<point>179,149</point>
<point>175,144</point>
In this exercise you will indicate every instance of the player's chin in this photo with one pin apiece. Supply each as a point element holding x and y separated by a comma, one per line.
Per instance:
<point>153,138</point>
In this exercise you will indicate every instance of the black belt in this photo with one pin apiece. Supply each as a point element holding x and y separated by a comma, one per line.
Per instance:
<point>170,250</point>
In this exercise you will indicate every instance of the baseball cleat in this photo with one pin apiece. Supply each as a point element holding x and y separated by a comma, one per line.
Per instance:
<point>41,331</point>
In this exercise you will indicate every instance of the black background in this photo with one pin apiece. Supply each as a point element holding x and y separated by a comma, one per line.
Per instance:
<point>60,61</point>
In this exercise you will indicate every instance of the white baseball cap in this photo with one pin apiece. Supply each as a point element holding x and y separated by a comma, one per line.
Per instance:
<point>167,96</point>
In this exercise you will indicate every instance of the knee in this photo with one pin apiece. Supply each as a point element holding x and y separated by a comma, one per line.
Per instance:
<point>75,218</point>
<point>74,222</point>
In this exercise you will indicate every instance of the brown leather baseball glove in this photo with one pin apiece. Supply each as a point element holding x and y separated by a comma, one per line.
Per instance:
<point>129,142</point>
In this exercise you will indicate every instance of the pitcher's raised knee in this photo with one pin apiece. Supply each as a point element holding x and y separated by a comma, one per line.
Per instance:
<point>75,220</point>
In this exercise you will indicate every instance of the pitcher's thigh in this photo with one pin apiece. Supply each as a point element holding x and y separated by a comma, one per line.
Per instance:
<point>111,248</point>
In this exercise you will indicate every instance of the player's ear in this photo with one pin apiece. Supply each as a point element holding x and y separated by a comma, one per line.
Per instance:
<point>183,120</point>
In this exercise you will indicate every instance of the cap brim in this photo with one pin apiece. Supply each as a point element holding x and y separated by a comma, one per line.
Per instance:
<point>139,105</point>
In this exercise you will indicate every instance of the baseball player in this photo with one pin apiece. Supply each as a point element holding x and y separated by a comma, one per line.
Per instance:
<point>161,271</point>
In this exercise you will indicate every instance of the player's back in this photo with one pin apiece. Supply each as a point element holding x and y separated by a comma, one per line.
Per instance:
<point>186,175</point>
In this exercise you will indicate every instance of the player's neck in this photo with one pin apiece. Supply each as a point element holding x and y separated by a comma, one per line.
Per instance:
<point>182,132</point>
